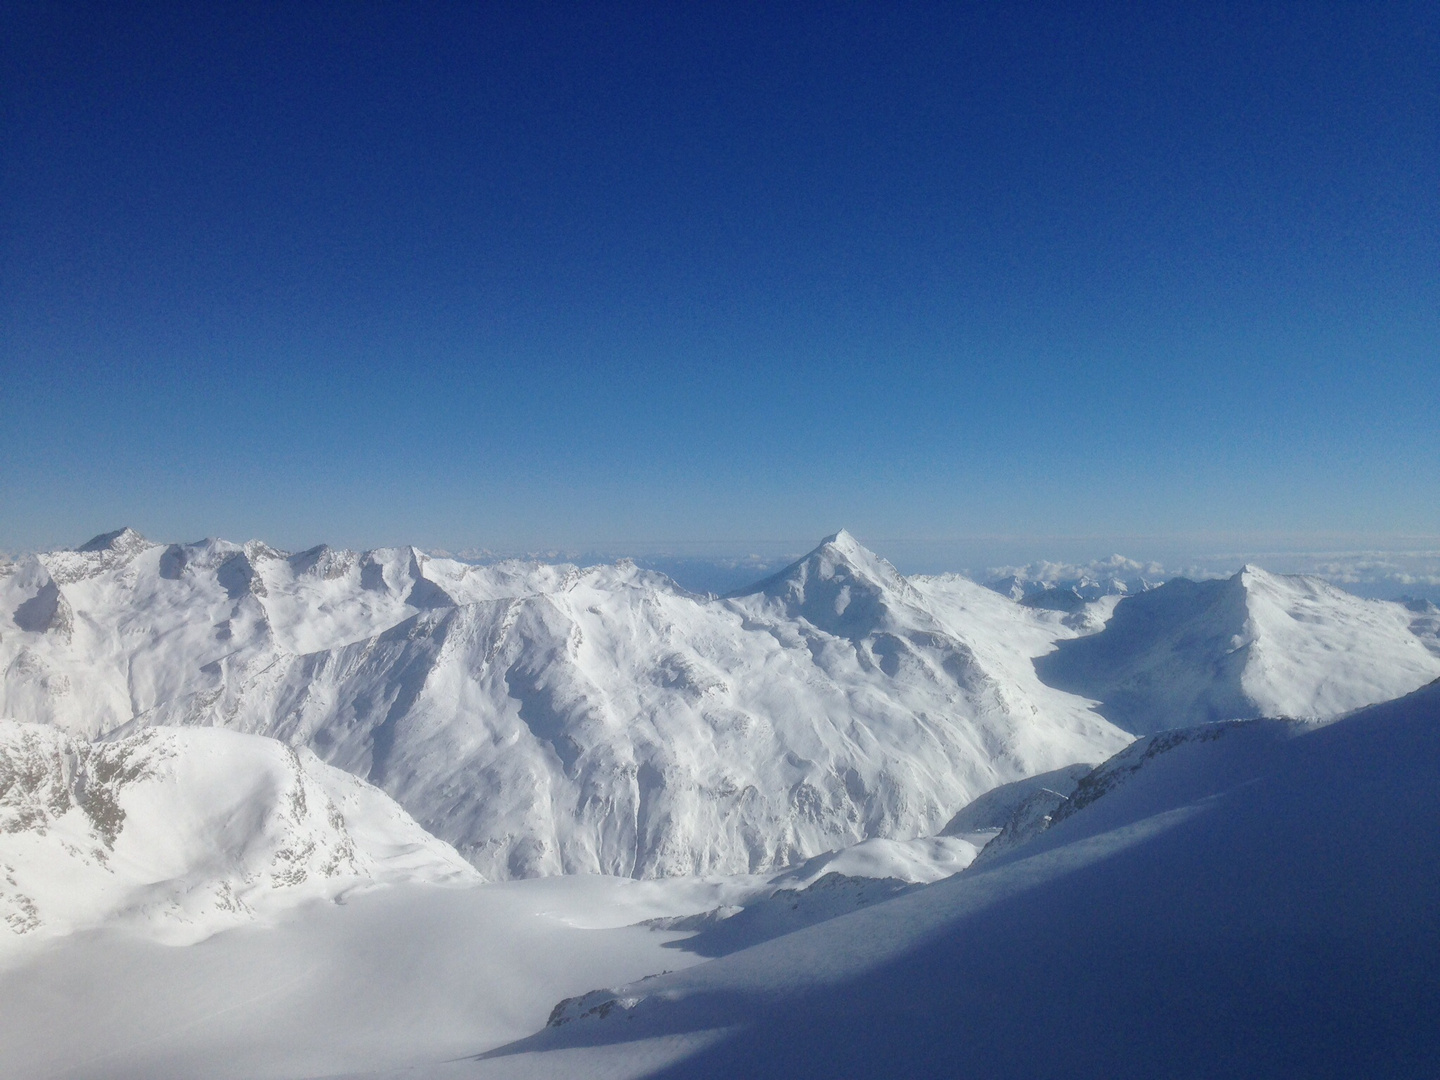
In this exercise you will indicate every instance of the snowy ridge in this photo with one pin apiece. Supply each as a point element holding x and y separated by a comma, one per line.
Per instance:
<point>188,831</point>
<point>1255,644</point>
<point>555,720</point>
<point>549,719</point>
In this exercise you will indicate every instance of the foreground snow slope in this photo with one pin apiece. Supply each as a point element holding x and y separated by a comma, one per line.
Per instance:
<point>399,976</point>
<point>553,720</point>
<point>1255,644</point>
<point>396,976</point>
<point>1252,899</point>
<point>180,833</point>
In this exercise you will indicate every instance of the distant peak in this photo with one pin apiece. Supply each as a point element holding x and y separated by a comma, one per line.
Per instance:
<point>840,549</point>
<point>126,539</point>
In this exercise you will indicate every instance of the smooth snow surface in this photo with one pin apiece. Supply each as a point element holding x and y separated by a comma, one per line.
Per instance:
<point>178,833</point>
<point>1256,644</point>
<point>547,719</point>
<point>393,977</point>
<point>1246,899</point>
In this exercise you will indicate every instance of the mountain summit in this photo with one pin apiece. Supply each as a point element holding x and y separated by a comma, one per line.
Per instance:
<point>1254,644</point>
<point>841,586</point>
<point>551,719</point>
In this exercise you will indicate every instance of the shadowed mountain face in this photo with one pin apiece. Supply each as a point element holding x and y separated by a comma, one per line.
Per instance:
<point>1255,644</point>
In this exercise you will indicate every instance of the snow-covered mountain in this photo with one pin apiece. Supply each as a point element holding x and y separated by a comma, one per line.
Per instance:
<point>1255,644</point>
<point>547,719</point>
<point>1243,899</point>
<point>189,830</point>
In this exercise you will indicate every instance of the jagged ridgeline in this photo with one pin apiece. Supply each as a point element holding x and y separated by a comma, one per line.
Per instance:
<point>550,719</point>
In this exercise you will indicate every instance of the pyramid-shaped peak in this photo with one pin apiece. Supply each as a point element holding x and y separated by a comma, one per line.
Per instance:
<point>121,540</point>
<point>839,555</point>
<point>842,546</point>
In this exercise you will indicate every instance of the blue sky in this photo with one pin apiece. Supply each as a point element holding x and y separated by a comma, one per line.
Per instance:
<point>517,276</point>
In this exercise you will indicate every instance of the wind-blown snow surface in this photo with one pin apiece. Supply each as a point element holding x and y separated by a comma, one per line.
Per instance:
<point>549,720</point>
<point>180,833</point>
<point>1256,644</point>
<point>1243,899</point>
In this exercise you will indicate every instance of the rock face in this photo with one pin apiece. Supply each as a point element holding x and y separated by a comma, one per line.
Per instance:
<point>190,829</point>
<point>1256,644</point>
<point>547,719</point>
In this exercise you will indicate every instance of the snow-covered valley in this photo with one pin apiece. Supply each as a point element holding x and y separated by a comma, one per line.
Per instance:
<point>265,814</point>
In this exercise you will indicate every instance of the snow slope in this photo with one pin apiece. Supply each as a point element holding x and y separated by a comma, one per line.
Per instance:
<point>395,977</point>
<point>548,719</point>
<point>1256,644</point>
<point>1244,899</point>
<point>552,720</point>
<point>183,832</point>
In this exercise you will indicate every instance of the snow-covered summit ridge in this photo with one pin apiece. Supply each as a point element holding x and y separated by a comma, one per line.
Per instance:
<point>840,587</point>
<point>1254,644</point>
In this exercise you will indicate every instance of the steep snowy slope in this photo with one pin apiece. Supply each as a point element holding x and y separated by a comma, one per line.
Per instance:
<point>621,725</point>
<point>91,638</point>
<point>188,831</point>
<point>553,720</point>
<point>1247,899</point>
<point>1256,644</point>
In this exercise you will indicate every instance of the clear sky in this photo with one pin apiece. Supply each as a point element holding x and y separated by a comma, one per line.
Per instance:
<point>522,275</point>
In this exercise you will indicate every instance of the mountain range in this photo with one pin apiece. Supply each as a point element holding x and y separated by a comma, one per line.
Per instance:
<point>548,719</point>
<point>839,822</point>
